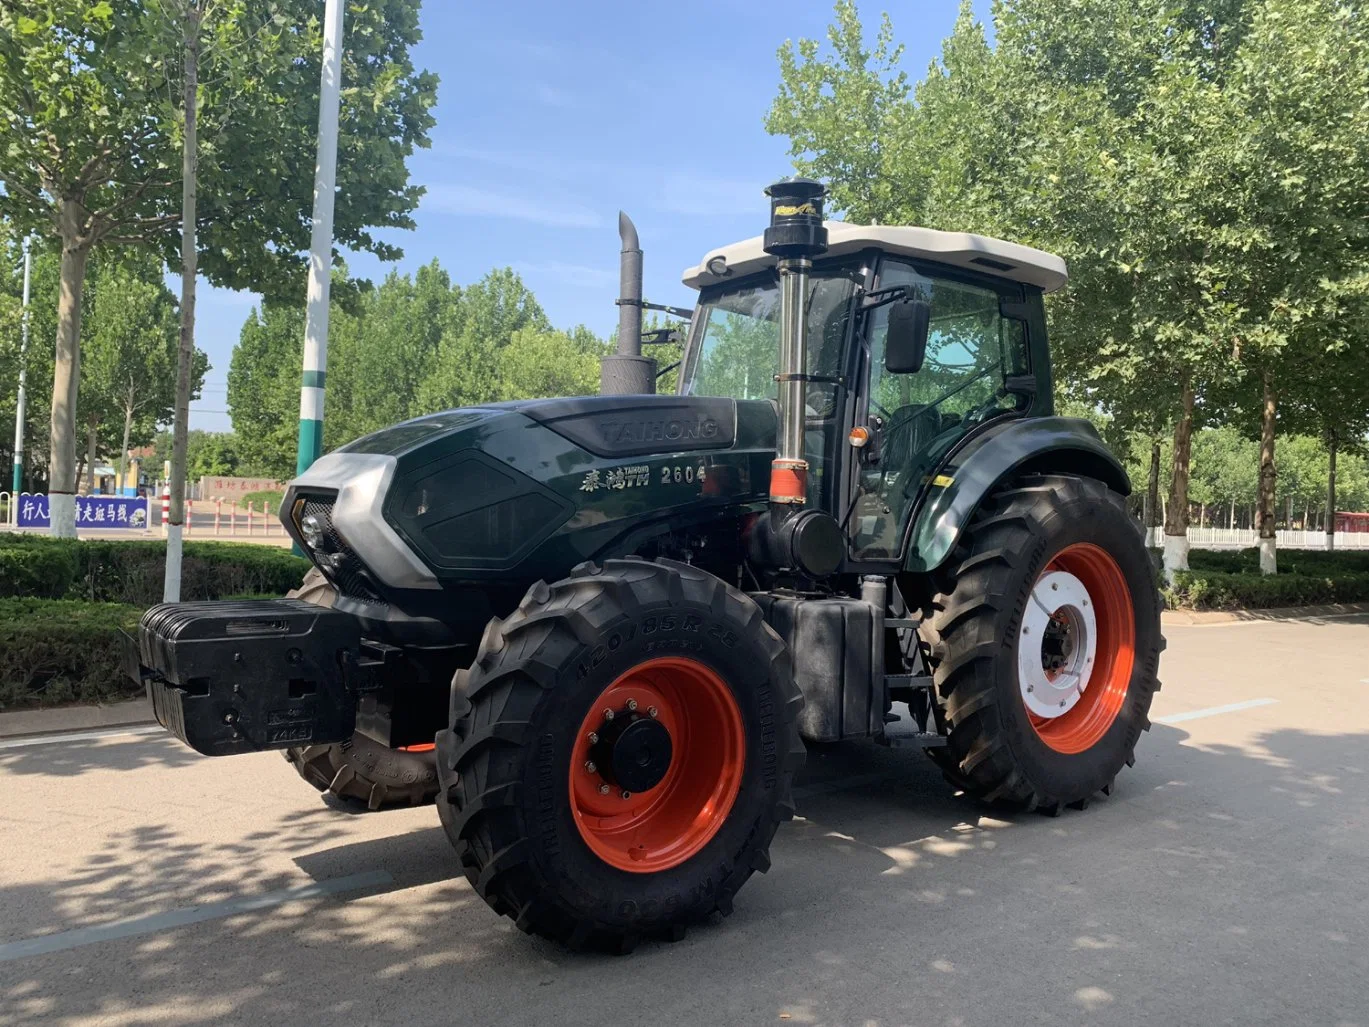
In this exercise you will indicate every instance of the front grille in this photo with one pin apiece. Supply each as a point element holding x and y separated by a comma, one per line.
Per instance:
<point>339,562</point>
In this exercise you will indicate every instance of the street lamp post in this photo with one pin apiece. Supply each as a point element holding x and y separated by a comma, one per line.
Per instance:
<point>321,244</point>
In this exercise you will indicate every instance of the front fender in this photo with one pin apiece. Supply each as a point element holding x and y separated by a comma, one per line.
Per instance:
<point>1063,445</point>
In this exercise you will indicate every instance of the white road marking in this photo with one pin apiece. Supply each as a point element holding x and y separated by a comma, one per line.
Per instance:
<point>81,736</point>
<point>181,917</point>
<point>1212,711</point>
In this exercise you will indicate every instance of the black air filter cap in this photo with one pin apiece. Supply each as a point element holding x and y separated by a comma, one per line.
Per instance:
<point>796,228</point>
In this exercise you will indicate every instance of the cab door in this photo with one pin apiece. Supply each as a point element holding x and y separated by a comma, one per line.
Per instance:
<point>972,352</point>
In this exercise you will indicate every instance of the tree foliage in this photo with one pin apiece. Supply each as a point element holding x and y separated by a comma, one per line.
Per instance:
<point>408,347</point>
<point>1199,166</point>
<point>91,152</point>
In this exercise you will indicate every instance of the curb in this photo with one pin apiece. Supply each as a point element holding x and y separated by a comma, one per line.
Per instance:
<point>75,718</point>
<point>1198,618</point>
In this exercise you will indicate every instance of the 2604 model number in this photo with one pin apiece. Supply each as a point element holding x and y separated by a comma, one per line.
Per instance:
<point>682,474</point>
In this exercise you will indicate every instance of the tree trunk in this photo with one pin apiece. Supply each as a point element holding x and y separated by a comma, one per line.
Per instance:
<point>66,372</point>
<point>1152,504</point>
<point>1232,523</point>
<point>123,448</point>
<point>1331,493</point>
<point>171,591</point>
<point>1264,512</point>
<point>1176,514</point>
<point>92,439</point>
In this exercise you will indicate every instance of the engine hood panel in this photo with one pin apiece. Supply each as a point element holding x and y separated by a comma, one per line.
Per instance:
<point>616,426</point>
<point>507,493</point>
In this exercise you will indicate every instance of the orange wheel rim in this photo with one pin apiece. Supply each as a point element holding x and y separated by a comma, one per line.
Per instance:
<point>1077,648</point>
<point>691,707</point>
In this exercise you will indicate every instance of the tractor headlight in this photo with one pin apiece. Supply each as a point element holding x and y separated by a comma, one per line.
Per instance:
<point>312,531</point>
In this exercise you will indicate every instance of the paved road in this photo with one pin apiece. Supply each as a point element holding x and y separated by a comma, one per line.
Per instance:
<point>1225,881</point>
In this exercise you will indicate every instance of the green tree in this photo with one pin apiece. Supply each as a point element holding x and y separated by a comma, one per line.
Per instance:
<point>538,363</point>
<point>1157,148</point>
<point>130,356</point>
<point>93,141</point>
<point>466,366</point>
<point>263,390</point>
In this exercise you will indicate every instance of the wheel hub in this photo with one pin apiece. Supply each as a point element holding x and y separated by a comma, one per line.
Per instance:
<point>1057,645</point>
<point>633,752</point>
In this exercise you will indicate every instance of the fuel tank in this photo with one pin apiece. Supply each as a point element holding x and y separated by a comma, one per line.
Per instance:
<point>509,493</point>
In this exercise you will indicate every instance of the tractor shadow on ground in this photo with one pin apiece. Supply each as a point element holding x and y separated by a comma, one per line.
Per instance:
<point>1245,854</point>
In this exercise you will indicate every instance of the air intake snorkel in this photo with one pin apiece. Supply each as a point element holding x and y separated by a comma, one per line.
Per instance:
<point>792,538</point>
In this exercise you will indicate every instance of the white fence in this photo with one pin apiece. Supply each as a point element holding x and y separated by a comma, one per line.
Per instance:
<point>1248,538</point>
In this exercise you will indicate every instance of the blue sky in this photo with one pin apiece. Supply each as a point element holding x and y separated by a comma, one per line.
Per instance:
<point>552,116</point>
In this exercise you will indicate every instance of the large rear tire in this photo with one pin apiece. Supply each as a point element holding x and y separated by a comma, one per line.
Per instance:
<point>620,754</point>
<point>361,770</point>
<point>1045,642</point>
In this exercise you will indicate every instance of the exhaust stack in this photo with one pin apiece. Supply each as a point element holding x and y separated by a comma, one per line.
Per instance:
<point>796,235</point>
<point>627,372</point>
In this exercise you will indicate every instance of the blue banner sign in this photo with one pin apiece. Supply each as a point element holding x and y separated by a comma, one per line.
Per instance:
<point>91,512</point>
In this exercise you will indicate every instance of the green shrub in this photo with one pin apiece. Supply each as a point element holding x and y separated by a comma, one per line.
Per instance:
<point>271,497</point>
<point>105,570</point>
<point>61,651</point>
<point>1219,590</point>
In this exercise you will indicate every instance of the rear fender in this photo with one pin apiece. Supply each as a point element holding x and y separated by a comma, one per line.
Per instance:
<point>1063,445</point>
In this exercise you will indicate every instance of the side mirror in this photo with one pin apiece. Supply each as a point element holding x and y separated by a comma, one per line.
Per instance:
<point>905,345</point>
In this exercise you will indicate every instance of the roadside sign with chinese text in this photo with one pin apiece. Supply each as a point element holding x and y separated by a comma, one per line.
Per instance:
<point>91,512</point>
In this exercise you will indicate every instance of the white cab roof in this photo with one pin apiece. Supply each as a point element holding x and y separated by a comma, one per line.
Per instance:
<point>958,249</point>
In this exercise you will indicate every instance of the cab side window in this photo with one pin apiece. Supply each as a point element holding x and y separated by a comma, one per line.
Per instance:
<point>971,351</point>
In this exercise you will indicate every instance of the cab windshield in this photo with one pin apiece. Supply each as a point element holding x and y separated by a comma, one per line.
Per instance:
<point>736,349</point>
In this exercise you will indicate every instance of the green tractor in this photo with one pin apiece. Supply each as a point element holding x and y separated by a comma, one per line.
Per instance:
<point>600,630</point>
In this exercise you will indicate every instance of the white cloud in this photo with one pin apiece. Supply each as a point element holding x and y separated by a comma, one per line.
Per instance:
<point>553,97</point>
<point>704,195</point>
<point>469,201</point>
<point>578,275</point>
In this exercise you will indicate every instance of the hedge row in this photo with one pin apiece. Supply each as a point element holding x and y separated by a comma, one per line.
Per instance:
<point>1290,561</point>
<point>132,572</point>
<point>55,651</point>
<point>1231,580</point>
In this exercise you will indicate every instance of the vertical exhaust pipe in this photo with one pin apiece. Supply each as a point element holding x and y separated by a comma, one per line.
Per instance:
<point>796,235</point>
<point>627,372</point>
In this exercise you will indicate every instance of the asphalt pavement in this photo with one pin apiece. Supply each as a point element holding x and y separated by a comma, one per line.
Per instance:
<point>1226,880</point>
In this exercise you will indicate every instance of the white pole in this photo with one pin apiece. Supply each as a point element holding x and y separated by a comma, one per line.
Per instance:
<point>321,244</point>
<point>21,402</point>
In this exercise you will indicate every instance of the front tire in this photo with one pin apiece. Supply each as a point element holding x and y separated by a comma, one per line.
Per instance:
<point>361,770</point>
<point>620,754</point>
<point>1045,642</point>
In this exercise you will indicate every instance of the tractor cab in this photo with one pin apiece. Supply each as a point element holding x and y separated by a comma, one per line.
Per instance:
<point>878,421</point>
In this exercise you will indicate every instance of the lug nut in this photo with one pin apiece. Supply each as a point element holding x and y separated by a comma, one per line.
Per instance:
<point>1062,704</point>
<point>652,712</point>
<point>632,704</point>
<point>608,714</point>
<point>625,794</point>
<point>1031,688</point>
<point>603,789</point>
<point>589,765</point>
<point>593,737</point>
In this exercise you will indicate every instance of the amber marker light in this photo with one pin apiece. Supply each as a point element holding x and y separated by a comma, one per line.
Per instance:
<point>859,436</point>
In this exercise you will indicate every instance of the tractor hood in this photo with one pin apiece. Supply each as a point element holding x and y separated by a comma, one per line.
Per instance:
<point>524,490</point>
